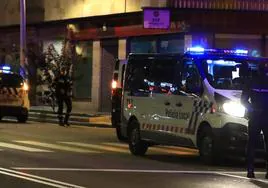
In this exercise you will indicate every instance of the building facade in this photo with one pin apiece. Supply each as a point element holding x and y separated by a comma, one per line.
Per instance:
<point>109,29</point>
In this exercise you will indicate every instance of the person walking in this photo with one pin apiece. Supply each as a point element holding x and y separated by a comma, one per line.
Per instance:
<point>63,84</point>
<point>255,99</point>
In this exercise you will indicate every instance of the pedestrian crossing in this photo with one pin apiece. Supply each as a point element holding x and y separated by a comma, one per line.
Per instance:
<point>33,146</point>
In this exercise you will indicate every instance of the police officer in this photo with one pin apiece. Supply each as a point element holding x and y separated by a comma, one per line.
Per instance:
<point>255,99</point>
<point>63,85</point>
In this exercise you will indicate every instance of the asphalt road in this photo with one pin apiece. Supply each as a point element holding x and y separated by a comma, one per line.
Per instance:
<point>47,155</point>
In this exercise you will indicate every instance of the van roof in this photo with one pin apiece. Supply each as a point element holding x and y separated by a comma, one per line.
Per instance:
<point>226,56</point>
<point>154,55</point>
<point>199,56</point>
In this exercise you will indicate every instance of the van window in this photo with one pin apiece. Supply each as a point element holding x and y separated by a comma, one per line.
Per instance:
<point>10,80</point>
<point>161,75</point>
<point>115,76</point>
<point>191,81</point>
<point>225,73</point>
<point>136,75</point>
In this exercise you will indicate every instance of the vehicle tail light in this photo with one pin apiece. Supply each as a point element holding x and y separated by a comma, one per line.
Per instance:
<point>25,87</point>
<point>114,84</point>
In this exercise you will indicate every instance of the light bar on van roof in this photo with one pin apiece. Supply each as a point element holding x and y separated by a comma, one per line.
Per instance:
<point>6,68</point>
<point>200,50</point>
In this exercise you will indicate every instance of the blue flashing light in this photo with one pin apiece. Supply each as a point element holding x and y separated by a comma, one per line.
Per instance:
<point>240,51</point>
<point>196,49</point>
<point>6,68</point>
<point>200,50</point>
<point>222,62</point>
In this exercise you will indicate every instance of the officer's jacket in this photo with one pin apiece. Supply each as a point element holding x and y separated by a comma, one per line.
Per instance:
<point>63,85</point>
<point>255,94</point>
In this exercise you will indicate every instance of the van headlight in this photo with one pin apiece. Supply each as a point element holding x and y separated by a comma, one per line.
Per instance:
<point>234,109</point>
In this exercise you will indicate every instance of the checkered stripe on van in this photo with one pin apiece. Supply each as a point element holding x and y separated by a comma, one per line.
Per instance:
<point>199,108</point>
<point>10,91</point>
<point>165,128</point>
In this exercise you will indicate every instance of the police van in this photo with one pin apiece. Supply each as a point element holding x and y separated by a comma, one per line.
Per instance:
<point>116,95</point>
<point>190,100</point>
<point>14,99</point>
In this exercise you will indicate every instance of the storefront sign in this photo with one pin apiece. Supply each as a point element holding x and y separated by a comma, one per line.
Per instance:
<point>156,18</point>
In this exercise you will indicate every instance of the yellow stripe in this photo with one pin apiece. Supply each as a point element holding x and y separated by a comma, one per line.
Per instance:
<point>97,147</point>
<point>58,147</point>
<point>162,149</point>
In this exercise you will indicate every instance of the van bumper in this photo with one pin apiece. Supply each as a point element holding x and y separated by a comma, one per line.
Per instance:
<point>13,111</point>
<point>231,140</point>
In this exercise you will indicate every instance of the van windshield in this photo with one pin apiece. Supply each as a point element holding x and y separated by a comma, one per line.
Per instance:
<point>11,80</point>
<point>226,74</point>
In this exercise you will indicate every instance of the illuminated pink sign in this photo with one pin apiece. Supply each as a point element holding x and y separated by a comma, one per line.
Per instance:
<point>156,18</point>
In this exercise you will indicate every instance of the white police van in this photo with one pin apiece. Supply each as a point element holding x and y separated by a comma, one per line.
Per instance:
<point>14,99</point>
<point>116,96</point>
<point>190,100</point>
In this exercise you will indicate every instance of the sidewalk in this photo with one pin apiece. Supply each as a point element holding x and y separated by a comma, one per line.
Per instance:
<point>46,114</point>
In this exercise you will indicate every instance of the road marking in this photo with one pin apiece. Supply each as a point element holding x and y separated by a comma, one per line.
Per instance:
<point>37,179</point>
<point>221,173</point>
<point>23,148</point>
<point>98,147</point>
<point>134,170</point>
<point>55,146</point>
<point>241,177</point>
<point>171,150</point>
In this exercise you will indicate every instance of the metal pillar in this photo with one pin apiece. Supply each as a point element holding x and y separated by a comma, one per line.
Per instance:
<point>23,35</point>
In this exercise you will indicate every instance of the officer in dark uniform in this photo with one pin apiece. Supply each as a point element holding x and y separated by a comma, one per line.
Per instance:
<point>255,99</point>
<point>63,85</point>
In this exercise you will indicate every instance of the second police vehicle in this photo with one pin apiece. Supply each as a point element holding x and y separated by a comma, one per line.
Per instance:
<point>14,99</point>
<point>190,100</point>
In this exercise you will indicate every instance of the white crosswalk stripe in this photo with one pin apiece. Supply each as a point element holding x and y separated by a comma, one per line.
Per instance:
<point>91,148</point>
<point>22,148</point>
<point>56,146</point>
<point>97,147</point>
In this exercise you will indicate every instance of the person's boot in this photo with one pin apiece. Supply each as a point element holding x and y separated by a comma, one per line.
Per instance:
<point>251,173</point>
<point>61,121</point>
<point>66,119</point>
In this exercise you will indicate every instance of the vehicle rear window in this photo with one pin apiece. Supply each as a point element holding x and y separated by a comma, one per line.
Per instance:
<point>10,80</point>
<point>116,65</point>
<point>115,76</point>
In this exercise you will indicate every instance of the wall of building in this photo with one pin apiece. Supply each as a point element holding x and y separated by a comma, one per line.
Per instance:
<point>59,9</point>
<point>48,10</point>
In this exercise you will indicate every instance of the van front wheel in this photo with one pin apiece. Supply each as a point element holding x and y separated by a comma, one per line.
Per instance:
<point>206,146</point>
<point>136,145</point>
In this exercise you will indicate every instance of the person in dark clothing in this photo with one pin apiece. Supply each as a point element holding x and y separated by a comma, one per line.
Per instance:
<point>63,84</point>
<point>255,99</point>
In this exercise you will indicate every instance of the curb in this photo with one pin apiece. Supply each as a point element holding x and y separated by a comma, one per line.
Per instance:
<point>75,119</point>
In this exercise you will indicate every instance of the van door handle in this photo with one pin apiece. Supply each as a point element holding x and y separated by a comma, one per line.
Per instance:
<point>167,103</point>
<point>179,104</point>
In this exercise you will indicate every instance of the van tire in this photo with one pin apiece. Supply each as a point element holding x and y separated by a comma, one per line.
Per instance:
<point>119,135</point>
<point>207,151</point>
<point>22,118</point>
<point>137,146</point>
